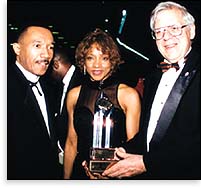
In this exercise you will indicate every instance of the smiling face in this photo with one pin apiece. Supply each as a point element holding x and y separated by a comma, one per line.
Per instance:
<point>34,50</point>
<point>173,48</point>
<point>97,64</point>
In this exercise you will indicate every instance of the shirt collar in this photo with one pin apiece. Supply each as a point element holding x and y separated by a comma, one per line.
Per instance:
<point>28,75</point>
<point>68,75</point>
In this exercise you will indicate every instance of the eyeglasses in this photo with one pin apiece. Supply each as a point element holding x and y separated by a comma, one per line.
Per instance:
<point>174,30</point>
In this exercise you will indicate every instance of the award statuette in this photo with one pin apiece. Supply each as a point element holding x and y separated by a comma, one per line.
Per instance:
<point>102,153</point>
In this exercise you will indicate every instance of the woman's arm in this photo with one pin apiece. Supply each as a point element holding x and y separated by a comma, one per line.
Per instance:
<point>130,102</point>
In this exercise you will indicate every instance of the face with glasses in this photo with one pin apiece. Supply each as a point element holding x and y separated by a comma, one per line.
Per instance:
<point>173,36</point>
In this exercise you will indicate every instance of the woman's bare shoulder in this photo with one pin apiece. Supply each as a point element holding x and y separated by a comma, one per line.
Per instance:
<point>73,94</point>
<point>125,89</point>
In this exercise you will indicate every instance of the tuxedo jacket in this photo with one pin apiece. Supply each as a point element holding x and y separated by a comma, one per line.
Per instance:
<point>174,150</point>
<point>31,152</point>
<point>62,119</point>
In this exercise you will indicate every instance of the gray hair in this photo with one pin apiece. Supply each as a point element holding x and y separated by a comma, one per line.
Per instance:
<point>188,18</point>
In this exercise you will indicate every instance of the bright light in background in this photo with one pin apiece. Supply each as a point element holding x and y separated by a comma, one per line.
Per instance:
<point>72,46</point>
<point>12,27</point>
<point>124,12</point>
<point>55,32</point>
<point>60,38</point>
<point>123,19</point>
<point>131,49</point>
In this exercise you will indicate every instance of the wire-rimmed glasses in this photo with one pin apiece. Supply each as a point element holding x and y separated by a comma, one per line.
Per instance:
<point>174,30</point>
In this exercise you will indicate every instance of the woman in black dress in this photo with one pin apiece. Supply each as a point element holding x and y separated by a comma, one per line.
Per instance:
<point>98,57</point>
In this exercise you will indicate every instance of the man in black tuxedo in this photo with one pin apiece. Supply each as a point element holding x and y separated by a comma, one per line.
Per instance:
<point>168,143</point>
<point>32,152</point>
<point>66,76</point>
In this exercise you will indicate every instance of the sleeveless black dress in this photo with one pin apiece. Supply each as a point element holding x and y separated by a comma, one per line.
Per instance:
<point>83,120</point>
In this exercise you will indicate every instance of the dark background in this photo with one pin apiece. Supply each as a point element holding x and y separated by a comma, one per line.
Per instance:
<point>73,19</point>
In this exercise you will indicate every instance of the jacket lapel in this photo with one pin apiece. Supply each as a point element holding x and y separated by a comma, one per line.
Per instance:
<point>50,110</point>
<point>173,101</point>
<point>32,105</point>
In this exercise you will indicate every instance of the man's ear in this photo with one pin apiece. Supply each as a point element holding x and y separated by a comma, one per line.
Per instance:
<point>16,48</point>
<point>192,31</point>
<point>56,65</point>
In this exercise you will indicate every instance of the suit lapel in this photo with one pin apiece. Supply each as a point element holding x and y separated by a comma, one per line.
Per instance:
<point>153,85</point>
<point>32,104</point>
<point>173,100</point>
<point>50,111</point>
<point>30,101</point>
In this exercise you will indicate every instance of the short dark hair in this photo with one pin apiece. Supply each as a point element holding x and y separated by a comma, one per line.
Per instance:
<point>23,29</point>
<point>63,52</point>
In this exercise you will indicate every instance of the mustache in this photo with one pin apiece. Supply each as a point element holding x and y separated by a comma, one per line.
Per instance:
<point>46,61</point>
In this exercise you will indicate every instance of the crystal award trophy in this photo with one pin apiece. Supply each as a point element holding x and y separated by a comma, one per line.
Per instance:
<point>102,153</point>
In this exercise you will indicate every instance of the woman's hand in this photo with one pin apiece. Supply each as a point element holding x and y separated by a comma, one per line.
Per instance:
<point>92,176</point>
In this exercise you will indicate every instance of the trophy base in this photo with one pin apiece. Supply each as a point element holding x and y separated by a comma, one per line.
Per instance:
<point>101,158</point>
<point>105,154</point>
<point>98,166</point>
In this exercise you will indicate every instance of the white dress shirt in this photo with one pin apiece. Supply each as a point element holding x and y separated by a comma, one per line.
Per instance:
<point>40,98</point>
<point>165,86</point>
<point>66,81</point>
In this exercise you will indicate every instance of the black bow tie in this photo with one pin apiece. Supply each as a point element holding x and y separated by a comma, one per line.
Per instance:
<point>165,66</point>
<point>33,84</point>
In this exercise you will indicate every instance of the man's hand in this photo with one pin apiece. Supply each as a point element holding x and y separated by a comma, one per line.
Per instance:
<point>129,165</point>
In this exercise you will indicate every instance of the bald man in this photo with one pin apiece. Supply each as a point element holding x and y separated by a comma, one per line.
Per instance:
<point>31,142</point>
